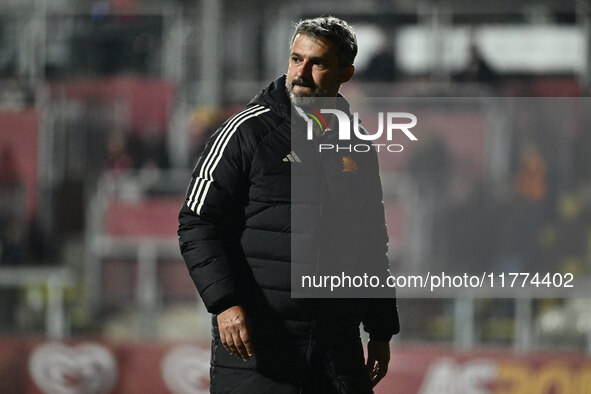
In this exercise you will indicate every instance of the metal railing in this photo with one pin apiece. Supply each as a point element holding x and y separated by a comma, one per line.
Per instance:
<point>56,280</point>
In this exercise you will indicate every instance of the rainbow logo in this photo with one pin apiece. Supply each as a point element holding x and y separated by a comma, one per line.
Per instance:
<point>317,117</point>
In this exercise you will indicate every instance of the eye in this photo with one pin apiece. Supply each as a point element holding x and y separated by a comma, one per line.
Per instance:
<point>295,59</point>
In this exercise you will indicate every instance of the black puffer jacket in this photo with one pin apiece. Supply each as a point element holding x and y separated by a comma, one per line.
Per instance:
<point>251,216</point>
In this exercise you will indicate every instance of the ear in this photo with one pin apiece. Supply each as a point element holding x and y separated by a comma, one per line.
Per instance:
<point>347,73</point>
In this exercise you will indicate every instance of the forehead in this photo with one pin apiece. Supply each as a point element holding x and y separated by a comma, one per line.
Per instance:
<point>313,46</point>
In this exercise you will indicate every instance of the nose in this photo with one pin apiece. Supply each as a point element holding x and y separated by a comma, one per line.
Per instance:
<point>304,71</point>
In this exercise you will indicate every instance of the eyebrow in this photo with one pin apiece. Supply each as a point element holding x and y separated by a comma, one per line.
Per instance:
<point>315,58</point>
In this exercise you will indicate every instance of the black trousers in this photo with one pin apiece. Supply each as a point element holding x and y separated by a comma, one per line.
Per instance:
<point>287,369</point>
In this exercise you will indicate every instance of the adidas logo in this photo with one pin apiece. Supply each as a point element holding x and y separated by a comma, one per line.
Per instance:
<point>292,157</point>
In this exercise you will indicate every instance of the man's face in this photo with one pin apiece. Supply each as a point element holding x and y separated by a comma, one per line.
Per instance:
<point>314,70</point>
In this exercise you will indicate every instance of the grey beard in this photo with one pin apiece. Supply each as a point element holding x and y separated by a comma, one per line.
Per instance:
<point>302,101</point>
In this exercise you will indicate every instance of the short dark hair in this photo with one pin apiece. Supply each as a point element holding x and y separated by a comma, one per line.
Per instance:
<point>335,30</point>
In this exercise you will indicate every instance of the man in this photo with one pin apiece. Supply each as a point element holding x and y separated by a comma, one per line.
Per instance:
<point>236,236</point>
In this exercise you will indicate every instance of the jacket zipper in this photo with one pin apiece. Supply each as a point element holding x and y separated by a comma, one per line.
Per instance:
<point>309,350</point>
<point>323,187</point>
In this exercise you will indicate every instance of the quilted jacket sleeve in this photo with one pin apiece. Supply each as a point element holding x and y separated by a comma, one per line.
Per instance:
<point>381,317</point>
<point>211,218</point>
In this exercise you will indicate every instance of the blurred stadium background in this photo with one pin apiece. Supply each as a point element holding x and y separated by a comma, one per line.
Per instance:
<point>105,105</point>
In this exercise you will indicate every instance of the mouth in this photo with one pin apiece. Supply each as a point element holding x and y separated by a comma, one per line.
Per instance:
<point>300,89</point>
<point>302,84</point>
<point>303,87</point>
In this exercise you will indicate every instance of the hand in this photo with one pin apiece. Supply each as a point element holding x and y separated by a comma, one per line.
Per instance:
<point>378,357</point>
<point>235,332</point>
